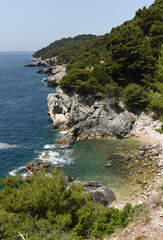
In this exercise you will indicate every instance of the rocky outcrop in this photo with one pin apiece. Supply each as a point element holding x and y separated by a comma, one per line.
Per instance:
<point>37,64</point>
<point>88,117</point>
<point>31,168</point>
<point>58,71</point>
<point>100,194</point>
<point>42,63</point>
<point>45,71</point>
<point>34,59</point>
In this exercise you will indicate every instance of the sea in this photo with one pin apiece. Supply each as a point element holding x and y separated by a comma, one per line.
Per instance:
<point>27,133</point>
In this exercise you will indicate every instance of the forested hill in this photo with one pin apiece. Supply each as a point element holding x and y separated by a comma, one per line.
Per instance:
<point>127,62</point>
<point>61,45</point>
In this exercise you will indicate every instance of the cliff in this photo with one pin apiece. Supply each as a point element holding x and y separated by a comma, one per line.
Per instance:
<point>88,117</point>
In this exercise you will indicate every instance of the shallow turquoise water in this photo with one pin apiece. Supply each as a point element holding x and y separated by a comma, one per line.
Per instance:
<point>86,160</point>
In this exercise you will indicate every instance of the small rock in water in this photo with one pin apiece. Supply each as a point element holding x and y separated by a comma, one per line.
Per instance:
<point>108,165</point>
<point>46,155</point>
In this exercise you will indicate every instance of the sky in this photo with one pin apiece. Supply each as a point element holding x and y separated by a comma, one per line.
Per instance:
<point>28,25</point>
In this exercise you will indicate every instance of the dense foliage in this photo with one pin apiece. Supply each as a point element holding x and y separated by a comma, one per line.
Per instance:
<point>128,60</point>
<point>43,208</point>
<point>60,46</point>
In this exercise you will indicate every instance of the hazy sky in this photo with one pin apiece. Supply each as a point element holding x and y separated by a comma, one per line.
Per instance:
<point>32,24</point>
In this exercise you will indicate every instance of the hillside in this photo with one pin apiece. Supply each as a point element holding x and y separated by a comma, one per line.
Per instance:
<point>110,74</point>
<point>127,62</point>
<point>60,46</point>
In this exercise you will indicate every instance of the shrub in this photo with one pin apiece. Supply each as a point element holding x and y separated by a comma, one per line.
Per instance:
<point>134,95</point>
<point>43,208</point>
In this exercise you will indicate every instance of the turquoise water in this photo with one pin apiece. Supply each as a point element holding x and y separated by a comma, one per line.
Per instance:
<point>86,161</point>
<point>26,133</point>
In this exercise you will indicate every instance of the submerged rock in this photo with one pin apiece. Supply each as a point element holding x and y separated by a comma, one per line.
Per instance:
<point>108,165</point>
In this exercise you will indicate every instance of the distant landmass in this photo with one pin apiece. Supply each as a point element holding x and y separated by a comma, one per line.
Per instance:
<point>16,52</point>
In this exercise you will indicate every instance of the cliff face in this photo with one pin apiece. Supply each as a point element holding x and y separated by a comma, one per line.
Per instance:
<point>88,117</point>
<point>58,71</point>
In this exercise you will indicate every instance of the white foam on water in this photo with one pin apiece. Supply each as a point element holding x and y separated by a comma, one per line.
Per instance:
<point>63,132</point>
<point>7,146</point>
<point>24,175</point>
<point>49,146</point>
<point>15,171</point>
<point>60,158</point>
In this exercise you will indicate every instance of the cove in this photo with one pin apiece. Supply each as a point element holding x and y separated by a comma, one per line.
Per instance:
<point>86,160</point>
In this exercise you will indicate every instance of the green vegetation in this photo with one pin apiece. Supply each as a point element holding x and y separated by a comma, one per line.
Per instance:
<point>134,95</point>
<point>156,96</point>
<point>43,208</point>
<point>128,61</point>
<point>61,46</point>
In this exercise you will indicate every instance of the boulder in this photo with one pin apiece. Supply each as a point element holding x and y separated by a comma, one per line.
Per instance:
<point>66,139</point>
<point>122,124</point>
<point>100,194</point>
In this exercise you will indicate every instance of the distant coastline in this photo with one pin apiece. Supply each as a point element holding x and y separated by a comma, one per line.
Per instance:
<point>17,52</point>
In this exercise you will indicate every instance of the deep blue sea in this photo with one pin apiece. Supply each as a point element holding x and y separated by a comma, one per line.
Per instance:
<point>25,126</point>
<point>26,132</point>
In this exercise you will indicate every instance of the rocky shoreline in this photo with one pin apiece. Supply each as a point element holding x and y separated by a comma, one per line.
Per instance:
<point>57,71</point>
<point>83,117</point>
<point>92,117</point>
<point>96,117</point>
